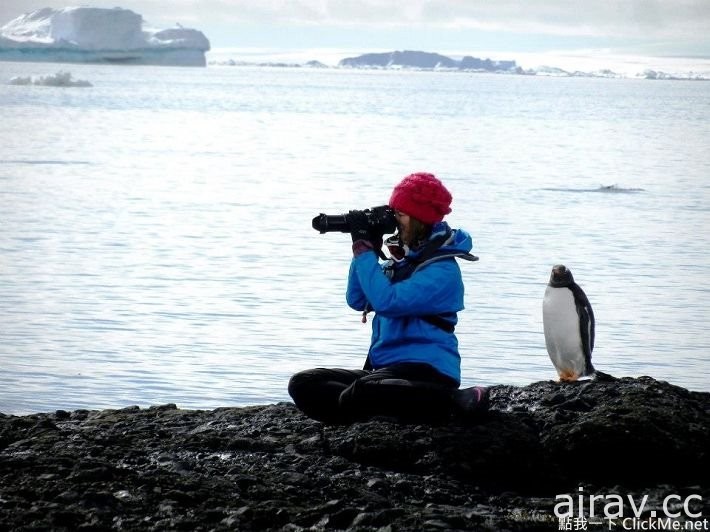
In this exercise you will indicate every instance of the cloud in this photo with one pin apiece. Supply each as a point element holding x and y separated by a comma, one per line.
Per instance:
<point>648,20</point>
<point>629,18</point>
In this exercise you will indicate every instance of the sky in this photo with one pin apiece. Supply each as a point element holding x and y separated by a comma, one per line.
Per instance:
<point>563,33</point>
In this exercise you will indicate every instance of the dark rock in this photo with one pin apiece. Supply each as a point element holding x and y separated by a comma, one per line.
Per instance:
<point>271,468</point>
<point>62,414</point>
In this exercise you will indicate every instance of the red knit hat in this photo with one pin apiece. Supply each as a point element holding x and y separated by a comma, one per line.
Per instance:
<point>422,196</point>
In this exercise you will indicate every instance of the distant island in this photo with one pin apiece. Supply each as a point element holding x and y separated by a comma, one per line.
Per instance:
<point>429,61</point>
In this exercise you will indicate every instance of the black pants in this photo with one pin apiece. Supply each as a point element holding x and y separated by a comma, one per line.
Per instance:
<point>408,391</point>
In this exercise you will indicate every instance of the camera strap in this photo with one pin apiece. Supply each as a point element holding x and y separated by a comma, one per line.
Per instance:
<point>399,272</point>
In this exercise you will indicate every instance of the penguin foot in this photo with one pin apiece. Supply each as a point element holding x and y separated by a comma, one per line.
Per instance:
<point>568,376</point>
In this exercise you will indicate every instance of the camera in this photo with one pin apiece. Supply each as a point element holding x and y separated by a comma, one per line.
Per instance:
<point>381,220</point>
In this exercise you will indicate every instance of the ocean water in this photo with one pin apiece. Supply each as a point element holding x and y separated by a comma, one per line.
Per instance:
<point>156,242</point>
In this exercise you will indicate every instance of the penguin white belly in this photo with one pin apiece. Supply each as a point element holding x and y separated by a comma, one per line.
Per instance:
<point>562,334</point>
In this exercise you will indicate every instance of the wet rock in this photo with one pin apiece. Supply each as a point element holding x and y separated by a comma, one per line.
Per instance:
<point>270,468</point>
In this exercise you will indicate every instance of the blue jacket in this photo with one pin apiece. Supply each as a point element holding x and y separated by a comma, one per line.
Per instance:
<point>436,287</point>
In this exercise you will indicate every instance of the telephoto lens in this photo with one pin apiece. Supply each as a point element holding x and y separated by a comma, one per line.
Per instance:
<point>381,220</point>
<point>327,223</point>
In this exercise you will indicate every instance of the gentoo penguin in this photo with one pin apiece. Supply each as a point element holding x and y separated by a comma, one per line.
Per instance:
<point>568,321</point>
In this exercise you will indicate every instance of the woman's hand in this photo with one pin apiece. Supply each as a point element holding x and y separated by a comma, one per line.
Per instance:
<point>359,226</point>
<point>361,232</point>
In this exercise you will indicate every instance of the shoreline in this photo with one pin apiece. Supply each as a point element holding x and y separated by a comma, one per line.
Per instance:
<point>268,467</point>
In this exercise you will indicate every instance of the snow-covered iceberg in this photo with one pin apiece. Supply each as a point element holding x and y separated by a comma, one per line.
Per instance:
<point>97,35</point>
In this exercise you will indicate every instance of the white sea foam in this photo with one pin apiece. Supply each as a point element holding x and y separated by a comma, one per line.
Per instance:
<point>60,79</point>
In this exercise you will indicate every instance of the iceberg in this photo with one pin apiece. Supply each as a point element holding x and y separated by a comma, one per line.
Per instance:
<point>99,35</point>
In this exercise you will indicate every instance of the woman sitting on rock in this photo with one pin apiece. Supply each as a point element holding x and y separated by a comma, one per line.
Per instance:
<point>413,368</point>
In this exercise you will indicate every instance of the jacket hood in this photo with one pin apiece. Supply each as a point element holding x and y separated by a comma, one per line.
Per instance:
<point>459,241</point>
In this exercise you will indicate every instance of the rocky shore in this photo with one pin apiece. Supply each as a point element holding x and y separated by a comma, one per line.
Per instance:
<point>271,468</point>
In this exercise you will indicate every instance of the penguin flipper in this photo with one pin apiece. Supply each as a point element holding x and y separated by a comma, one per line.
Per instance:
<point>586,325</point>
